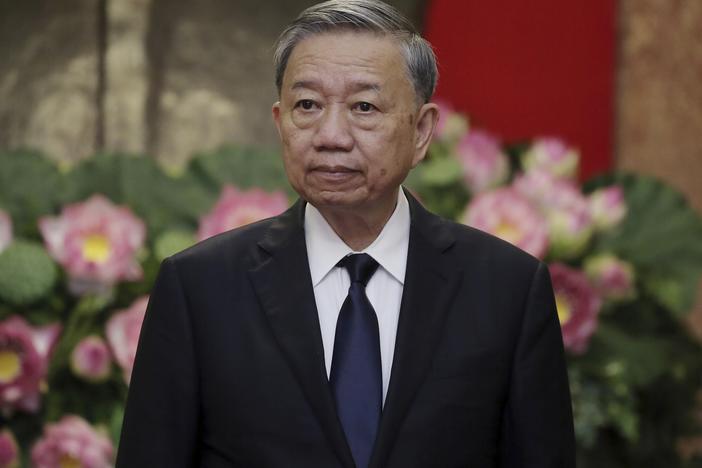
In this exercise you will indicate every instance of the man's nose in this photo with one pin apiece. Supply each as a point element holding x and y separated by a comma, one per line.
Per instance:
<point>333,131</point>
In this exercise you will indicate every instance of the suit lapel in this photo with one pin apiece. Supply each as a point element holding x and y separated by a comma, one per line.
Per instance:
<point>431,283</point>
<point>284,287</point>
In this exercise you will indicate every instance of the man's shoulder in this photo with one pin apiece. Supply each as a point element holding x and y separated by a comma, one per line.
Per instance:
<point>476,246</point>
<point>238,244</point>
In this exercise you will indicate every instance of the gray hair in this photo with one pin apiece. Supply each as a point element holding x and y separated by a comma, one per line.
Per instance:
<point>362,15</point>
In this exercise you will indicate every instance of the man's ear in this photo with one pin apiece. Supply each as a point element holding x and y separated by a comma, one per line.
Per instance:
<point>276,115</point>
<point>427,117</point>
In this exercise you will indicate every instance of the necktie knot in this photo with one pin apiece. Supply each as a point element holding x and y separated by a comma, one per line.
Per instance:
<point>361,267</point>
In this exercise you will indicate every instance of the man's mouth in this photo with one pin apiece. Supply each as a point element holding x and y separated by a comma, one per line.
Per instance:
<point>334,173</point>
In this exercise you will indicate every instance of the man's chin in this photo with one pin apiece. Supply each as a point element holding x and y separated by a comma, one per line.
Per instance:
<point>335,200</point>
<point>354,203</point>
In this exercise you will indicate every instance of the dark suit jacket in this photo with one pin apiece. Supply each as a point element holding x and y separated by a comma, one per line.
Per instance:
<point>230,368</point>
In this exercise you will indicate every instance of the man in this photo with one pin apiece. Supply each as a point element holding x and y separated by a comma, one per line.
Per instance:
<point>356,329</point>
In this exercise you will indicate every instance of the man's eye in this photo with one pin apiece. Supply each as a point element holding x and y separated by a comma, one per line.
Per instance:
<point>364,107</point>
<point>306,104</point>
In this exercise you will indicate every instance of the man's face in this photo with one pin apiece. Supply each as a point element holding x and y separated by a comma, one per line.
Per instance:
<point>349,121</point>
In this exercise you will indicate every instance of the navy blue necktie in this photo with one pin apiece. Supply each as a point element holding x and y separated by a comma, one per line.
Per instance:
<point>356,376</point>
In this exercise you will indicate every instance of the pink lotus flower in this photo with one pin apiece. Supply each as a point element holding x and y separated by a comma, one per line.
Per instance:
<point>484,164</point>
<point>608,207</point>
<point>72,442</point>
<point>9,451</point>
<point>551,155</point>
<point>451,125</point>
<point>612,277</point>
<point>545,189</point>
<point>96,242</point>
<point>5,230</point>
<point>91,359</point>
<point>236,208</point>
<point>578,306</point>
<point>508,215</point>
<point>122,331</point>
<point>24,356</point>
<point>566,210</point>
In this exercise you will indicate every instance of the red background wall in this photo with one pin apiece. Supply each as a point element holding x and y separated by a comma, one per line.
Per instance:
<point>523,69</point>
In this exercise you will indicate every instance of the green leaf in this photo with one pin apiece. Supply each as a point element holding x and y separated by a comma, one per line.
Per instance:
<point>661,236</point>
<point>441,171</point>
<point>159,199</point>
<point>116,423</point>
<point>243,167</point>
<point>100,174</point>
<point>173,241</point>
<point>634,360</point>
<point>30,186</point>
<point>671,292</point>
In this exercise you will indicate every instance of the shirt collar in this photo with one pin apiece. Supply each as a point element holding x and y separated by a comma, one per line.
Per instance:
<point>325,248</point>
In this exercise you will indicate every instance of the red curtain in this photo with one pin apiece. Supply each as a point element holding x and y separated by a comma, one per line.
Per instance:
<point>524,69</point>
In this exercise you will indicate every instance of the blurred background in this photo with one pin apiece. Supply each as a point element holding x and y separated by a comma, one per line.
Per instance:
<point>617,79</point>
<point>164,80</point>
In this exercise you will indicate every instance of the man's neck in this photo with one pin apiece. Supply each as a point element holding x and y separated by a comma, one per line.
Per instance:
<point>358,228</point>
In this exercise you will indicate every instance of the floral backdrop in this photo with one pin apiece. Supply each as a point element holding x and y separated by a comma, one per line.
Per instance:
<point>80,248</point>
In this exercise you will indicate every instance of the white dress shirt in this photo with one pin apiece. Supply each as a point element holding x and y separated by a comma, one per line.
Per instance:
<point>384,290</point>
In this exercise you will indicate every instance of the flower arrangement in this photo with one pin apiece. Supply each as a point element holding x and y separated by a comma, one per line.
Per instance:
<point>24,357</point>
<point>76,265</point>
<point>95,242</point>
<point>72,442</point>
<point>79,252</point>
<point>621,276</point>
<point>236,208</point>
<point>122,331</point>
<point>9,451</point>
<point>91,360</point>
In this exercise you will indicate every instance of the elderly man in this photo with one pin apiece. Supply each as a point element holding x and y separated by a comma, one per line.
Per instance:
<point>355,329</point>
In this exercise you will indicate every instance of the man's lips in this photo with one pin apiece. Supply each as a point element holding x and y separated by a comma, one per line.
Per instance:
<point>333,169</point>
<point>334,173</point>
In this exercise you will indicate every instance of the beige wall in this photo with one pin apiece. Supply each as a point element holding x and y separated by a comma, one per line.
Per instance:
<point>659,96</point>
<point>173,77</point>
<point>48,86</point>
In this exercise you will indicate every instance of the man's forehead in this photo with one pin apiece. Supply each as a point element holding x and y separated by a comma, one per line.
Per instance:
<point>360,51</point>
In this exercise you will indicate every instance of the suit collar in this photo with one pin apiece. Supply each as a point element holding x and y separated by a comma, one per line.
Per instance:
<point>284,286</point>
<point>291,223</point>
<point>431,284</point>
<point>284,229</point>
<point>434,229</point>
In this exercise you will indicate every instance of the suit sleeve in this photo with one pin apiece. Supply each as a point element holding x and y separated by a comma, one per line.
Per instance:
<point>538,420</point>
<point>160,427</point>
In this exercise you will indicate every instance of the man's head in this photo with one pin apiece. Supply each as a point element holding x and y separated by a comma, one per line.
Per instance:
<point>362,16</point>
<point>354,80</point>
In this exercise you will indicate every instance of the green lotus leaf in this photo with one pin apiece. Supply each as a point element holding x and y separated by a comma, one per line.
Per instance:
<point>29,187</point>
<point>159,199</point>
<point>171,242</point>
<point>243,167</point>
<point>441,171</point>
<point>661,236</point>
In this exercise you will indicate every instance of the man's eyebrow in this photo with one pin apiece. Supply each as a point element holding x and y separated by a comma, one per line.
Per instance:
<point>304,84</point>
<point>356,86</point>
<point>365,86</point>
